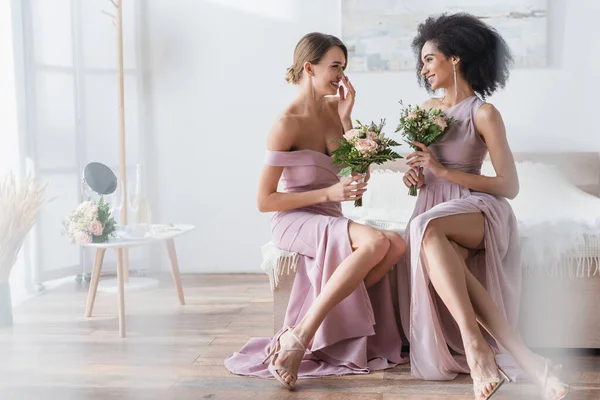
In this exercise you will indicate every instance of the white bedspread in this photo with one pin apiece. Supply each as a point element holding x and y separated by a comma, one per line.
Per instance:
<point>559,224</point>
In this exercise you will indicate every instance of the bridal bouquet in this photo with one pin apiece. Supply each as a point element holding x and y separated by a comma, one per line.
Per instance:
<point>424,126</point>
<point>364,145</point>
<point>90,223</point>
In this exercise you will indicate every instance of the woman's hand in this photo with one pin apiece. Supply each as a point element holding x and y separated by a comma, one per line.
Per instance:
<point>346,103</point>
<point>414,176</point>
<point>425,159</point>
<point>366,176</point>
<point>346,189</point>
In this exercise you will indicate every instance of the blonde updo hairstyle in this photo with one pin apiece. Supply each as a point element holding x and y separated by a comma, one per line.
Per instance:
<point>311,48</point>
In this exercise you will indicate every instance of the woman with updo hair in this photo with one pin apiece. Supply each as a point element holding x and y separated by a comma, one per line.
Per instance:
<point>340,318</point>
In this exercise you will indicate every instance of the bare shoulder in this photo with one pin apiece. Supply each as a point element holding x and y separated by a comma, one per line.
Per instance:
<point>489,124</point>
<point>283,133</point>
<point>430,103</point>
<point>487,115</point>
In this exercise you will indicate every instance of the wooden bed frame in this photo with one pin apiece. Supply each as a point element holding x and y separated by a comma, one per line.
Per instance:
<point>555,312</point>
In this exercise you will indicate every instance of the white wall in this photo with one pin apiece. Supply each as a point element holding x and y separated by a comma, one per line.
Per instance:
<point>215,85</point>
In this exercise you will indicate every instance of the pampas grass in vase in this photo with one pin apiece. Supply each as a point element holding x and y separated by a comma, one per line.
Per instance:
<point>20,204</point>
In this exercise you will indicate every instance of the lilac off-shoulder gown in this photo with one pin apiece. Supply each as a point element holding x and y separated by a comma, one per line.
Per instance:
<point>360,334</point>
<point>432,330</point>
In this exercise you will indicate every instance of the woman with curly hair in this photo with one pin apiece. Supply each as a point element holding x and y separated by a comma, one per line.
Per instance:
<point>462,237</point>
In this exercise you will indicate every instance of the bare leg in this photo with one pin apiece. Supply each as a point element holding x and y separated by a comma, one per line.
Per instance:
<point>392,257</point>
<point>465,231</point>
<point>370,247</point>
<point>446,272</point>
<point>494,321</point>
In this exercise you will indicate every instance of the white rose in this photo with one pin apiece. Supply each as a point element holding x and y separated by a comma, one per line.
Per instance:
<point>91,212</point>
<point>83,237</point>
<point>351,134</point>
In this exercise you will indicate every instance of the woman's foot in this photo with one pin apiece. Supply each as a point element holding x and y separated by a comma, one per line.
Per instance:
<point>287,355</point>
<point>546,378</point>
<point>484,370</point>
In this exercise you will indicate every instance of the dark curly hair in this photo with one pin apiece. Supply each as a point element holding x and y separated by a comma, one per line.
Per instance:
<point>485,58</point>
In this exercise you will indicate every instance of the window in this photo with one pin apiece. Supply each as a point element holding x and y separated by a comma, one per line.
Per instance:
<point>70,107</point>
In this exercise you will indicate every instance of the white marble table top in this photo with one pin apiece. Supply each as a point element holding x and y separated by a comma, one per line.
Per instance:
<point>155,233</point>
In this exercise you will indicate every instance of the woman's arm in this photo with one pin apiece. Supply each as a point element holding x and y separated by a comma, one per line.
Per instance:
<point>269,199</point>
<point>489,124</point>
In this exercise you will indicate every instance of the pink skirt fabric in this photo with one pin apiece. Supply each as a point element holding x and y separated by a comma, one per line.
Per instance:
<point>432,330</point>
<point>359,335</point>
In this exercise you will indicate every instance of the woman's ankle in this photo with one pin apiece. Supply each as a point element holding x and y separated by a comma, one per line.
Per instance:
<point>303,334</point>
<point>475,344</point>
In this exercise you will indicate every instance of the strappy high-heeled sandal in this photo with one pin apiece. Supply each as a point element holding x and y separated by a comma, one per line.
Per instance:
<point>478,383</point>
<point>550,368</point>
<point>278,349</point>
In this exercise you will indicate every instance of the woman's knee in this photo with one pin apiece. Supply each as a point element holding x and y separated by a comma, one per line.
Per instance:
<point>430,243</point>
<point>378,243</point>
<point>368,238</point>
<point>432,234</point>
<point>397,245</point>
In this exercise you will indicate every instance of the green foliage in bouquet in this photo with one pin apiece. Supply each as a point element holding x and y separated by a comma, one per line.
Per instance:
<point>90,223</point>
<point>424,126</point>
<point>106,219</point>
<point>364,145</point>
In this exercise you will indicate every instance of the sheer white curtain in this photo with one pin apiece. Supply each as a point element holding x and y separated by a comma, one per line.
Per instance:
<point>9,135</point>
<point>69,92</point>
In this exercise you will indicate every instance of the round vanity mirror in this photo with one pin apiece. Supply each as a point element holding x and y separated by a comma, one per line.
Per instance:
<point>100,178</point>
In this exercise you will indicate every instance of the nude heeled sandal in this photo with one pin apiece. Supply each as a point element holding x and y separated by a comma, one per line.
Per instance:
<point>277,349</point>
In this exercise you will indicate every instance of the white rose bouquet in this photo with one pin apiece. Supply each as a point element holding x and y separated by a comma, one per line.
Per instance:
<point>90,223</point>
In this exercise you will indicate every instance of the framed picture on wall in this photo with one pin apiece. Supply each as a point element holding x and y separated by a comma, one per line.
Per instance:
<point>379,33</point>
